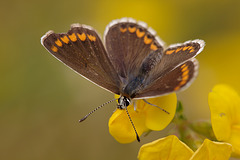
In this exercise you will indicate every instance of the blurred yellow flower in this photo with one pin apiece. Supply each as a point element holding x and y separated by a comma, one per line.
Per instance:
<point>145,118</point>
<point>171,148</point>
<point>213,150</point>
<point>224,105</point>
<point>167,148</point>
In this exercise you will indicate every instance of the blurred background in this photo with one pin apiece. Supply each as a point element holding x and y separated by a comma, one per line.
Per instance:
<point>41,100</point>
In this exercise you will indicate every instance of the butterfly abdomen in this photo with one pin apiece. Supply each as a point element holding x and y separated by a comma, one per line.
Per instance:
<point>150,62</point>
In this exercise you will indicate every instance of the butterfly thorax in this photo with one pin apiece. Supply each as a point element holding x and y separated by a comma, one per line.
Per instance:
<point>123,102</point>
<point>133,87</point>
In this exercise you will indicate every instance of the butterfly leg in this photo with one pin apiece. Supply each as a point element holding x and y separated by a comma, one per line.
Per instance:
<point>134,105</point>
<point>155,106</point>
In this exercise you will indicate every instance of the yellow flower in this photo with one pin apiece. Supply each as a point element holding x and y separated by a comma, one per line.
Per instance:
<point>145,118</point>
<point>171,148</point>
<point>224,105</point>
<point>167,148</point>
<point>213,151</point>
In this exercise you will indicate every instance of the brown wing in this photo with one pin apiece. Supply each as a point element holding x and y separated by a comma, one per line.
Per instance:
<point>155,68</point>
<point>128,43</point>
<point>82,50</point>
<point>175,55</point>
<point>177,79</point>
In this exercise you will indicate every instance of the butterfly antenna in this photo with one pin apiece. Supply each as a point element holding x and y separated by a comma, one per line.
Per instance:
<point>155,106</point>
<point>138,139</point>
<point>96,109</point>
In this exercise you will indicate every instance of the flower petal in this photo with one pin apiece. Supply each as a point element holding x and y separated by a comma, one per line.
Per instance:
<point>210,150</point>
<point>121,128</point>
<point>167,148</point>
<point>156,119</point>
<point>224,105</point>
<point>235,140</point>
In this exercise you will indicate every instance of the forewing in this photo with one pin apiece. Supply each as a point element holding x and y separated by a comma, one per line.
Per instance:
<point>82,50</point>
<point>178,79</point>
<point>128,43</point>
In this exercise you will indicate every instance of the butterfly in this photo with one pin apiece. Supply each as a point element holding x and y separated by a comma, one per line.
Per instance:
<point>131,61</point>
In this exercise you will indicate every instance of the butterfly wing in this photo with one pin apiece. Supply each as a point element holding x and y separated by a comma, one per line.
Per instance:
<point>175,55</point>
<point>128,43</point>
<point>82,50</point>
<point>177,79</point>
<point>166,76</point>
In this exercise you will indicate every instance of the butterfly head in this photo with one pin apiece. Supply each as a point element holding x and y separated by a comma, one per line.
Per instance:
<point>123,102</point>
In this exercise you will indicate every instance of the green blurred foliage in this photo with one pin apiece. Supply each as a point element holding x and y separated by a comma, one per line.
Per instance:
<point>41,100</point>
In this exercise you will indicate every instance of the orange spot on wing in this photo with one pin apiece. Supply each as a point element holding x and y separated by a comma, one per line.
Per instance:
<point>153,47</point>
<point>91,37</point>
<point>176,88</point>
<point>191,49</point>
<point>123,30</point>
<point>184,65</point>
<point>185,48</point>
<point>131,29</point>
<point>184,68</point>
<point>185,73</point>
<point>73,37</point>
<point>139,33</point>
<point>170,51</point>
<point>82,36</point>
<point>182,83</point>
<point>58,42</point>
<point>185,78</point>
<point>178,49</point>
<point>54,48</point>
<point>65,39</point>
<point>147,40</point>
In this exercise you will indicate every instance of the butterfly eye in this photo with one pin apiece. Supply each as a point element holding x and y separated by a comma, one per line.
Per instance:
<point>119,100</point>
<point>127,101</point>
